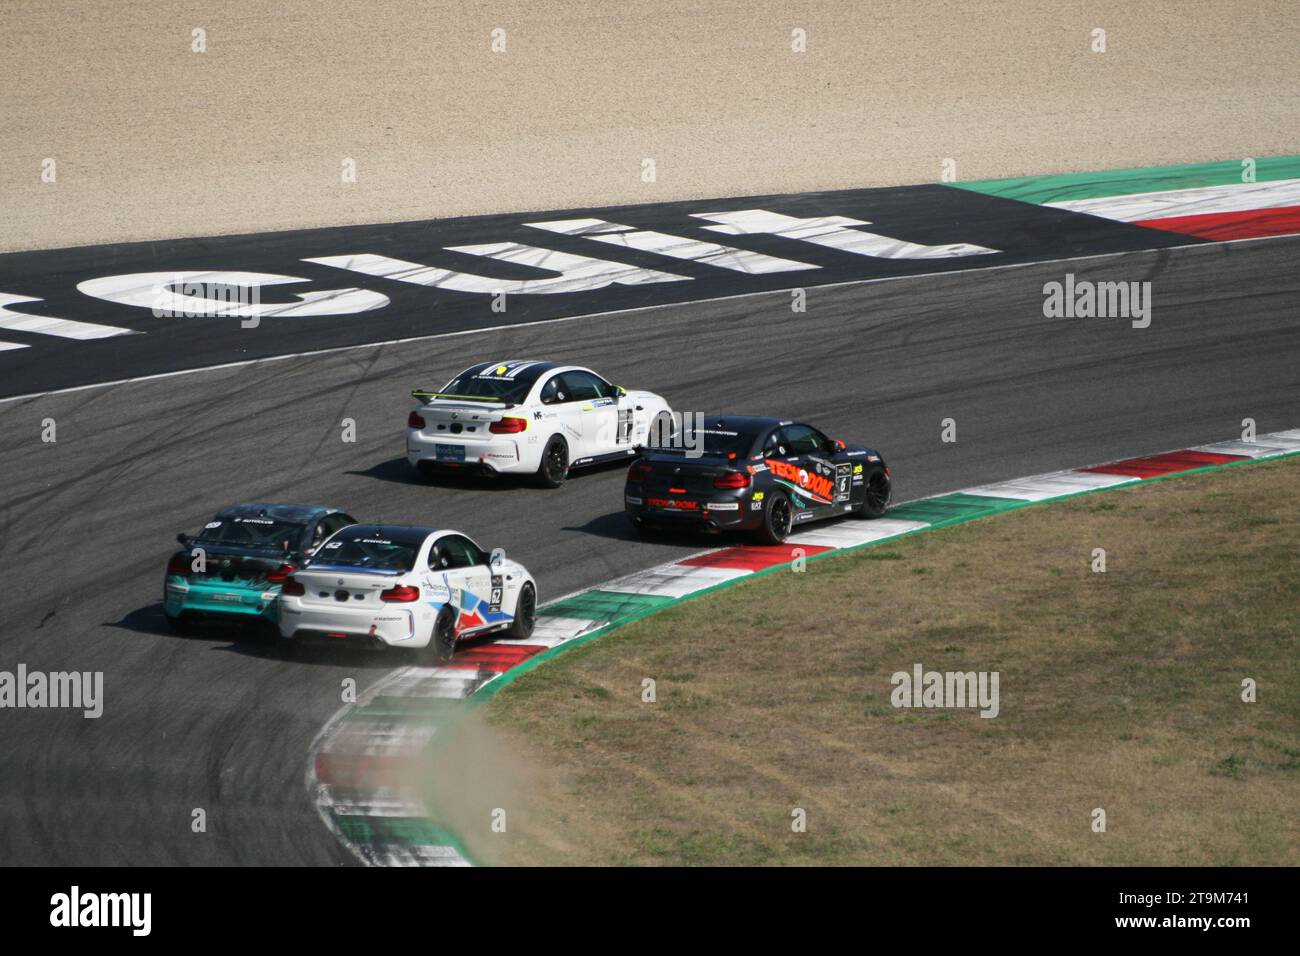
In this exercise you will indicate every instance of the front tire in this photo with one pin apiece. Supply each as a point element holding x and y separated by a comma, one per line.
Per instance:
<point>554,467</point>
<point>180,624</point>
<point>876,492</point>
<point>778,518</point>
<point>525,613</point>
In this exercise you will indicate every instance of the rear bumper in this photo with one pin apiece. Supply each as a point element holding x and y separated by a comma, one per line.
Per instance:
<point>389,625</point>
<point>451,453</point>
<point>690,513</point>
<point>218,600</point>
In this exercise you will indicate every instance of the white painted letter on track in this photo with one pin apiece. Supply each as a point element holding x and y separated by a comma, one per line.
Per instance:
<point>833,232</point>
<point>154,290</point>
<point>570,273</point>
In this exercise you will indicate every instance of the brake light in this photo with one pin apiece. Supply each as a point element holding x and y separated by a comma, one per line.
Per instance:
<point>733,480</point>
<point>293,587</point>
<point>414,420</point>
<point>179,564</point>
<point>508,426</point>
<point>279,574</point>
<point>639,471</point>
<point>403,592</point>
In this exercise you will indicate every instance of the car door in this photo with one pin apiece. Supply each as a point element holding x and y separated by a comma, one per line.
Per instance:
<point>561,414</point>
<point>468,573</point>
<point>598,407</point>
<point>810,469</point>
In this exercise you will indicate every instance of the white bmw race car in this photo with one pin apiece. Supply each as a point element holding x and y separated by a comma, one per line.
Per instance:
<point>406,587</point>
<point>529,418</point>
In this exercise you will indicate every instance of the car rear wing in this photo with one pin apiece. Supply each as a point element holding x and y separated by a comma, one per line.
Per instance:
<point>424,396</point>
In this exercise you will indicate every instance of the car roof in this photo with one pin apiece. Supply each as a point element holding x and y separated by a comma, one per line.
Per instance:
<point>366,530</point>
<point>293,513</point>
<point>531,369</point>
<point>746,424</point>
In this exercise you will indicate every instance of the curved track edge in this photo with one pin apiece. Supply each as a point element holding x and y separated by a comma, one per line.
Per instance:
<point>357,761</point>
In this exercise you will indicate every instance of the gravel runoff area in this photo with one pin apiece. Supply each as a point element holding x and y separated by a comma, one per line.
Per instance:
<point>151,139</point>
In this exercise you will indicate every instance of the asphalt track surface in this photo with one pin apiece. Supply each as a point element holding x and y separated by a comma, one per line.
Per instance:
<point>215,721</point>
<point>927,214</point>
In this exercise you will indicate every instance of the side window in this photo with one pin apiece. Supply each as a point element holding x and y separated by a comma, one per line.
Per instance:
<point>327,526</point>
<point>772,445</point>
<point>439,558</point>
<point>461,552</point>
<point>552,392</point>
<point>583,386</point>
<point>802,440</point>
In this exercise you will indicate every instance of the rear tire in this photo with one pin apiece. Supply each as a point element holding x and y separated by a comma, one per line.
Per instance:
<point>778,518</point>
<point>525,613</point>
<point>442,642</point>
<point>554,467</point>
<point>876,492</point>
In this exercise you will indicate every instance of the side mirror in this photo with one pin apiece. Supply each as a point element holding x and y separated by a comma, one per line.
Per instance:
<point>498,558</point>
<point>182,538</point>
<point>620,390</point>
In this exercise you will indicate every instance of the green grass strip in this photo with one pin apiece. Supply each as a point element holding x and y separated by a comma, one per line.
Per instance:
<point>1125,182</point>
<point>612,606</point>
<point>954,507</point>
<point>411,831</point>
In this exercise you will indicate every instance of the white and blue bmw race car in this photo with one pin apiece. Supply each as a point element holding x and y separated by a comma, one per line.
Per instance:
<point>422,588</point>
<point>529,418</point>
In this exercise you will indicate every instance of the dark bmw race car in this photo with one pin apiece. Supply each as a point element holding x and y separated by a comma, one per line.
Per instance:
<point>233,569</point>
<point>753,474</point>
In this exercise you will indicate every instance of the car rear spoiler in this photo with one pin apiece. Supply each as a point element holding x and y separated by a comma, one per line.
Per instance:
<point>424,396</point>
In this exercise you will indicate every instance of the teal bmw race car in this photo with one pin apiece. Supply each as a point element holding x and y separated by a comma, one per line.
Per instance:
<point>234,567</point>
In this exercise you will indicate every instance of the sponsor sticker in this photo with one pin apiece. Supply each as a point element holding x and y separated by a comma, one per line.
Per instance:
<point>672,504</point>
<point>842,475</point>
<point>819,487</point>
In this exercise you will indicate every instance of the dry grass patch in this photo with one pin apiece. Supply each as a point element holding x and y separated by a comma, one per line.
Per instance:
<point>1119,690</point>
